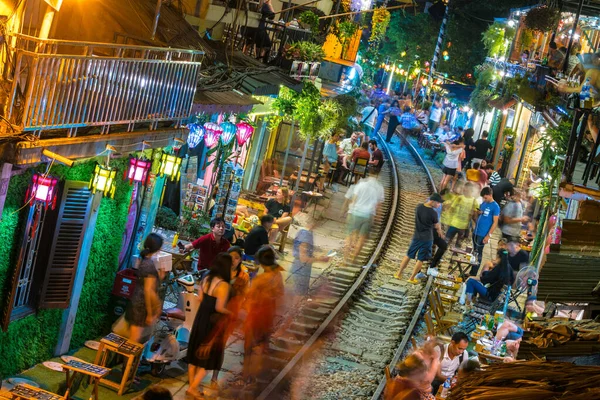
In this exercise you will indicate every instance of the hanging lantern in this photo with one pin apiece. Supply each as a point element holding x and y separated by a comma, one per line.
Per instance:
<point>244,132</point>
<point>212,134</point>
<point>103,180</point>
<point>196,135</point>
<point>228,134</point>
<point>43,189</point>
<point>170,165</point>
<point>138,170</point>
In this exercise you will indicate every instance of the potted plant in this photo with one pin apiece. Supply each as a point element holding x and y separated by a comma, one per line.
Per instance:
<point>309,20</point>
<point>306,57</point>
<point>542,19</point>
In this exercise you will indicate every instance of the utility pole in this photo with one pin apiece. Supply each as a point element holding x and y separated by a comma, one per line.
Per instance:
<point>440,42</point>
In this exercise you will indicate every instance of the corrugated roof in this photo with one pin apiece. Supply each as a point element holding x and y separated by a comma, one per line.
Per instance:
<point>103,20</point>
<point>250,75</point>
<point>226,102</point>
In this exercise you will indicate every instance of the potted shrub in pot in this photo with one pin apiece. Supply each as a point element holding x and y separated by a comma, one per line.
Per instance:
<point>306,59</point>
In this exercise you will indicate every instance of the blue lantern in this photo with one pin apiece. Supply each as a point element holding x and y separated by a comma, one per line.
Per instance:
<point>196,134</point>
<point>228,134</point>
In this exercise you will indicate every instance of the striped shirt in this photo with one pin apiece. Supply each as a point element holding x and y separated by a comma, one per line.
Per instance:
<point>495,178</point>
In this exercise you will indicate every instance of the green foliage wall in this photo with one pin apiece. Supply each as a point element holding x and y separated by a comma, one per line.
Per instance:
<point>33,339</point>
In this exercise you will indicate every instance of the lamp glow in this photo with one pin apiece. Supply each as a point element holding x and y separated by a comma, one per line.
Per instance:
<point>170,165</point>
<point>196,134</point>
<point>228,133</point>
<point>212,134</point>
<point>43,189</point>
<point>138,170</point>
<point>103,180</point>
<point>244,132</point>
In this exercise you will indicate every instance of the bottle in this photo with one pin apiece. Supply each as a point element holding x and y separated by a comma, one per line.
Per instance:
<point>503,350</point>
<point>584,93</point>
<point>445,389</point>
<point>175,239</point>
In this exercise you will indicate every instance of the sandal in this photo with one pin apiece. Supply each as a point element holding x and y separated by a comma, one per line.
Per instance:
<point>194,395</point>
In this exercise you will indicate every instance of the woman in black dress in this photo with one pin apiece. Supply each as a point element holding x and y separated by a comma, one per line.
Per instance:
<point>144,307</point>
<point>207,345</point>
<point>393,122</point>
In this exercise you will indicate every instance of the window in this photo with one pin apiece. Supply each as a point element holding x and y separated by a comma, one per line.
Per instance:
<point>49,254</point>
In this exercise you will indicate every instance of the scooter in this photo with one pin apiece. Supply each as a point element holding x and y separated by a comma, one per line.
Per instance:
<point>171,343</point>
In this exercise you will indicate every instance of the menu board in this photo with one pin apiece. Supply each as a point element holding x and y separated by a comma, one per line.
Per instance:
<point>230,186</point>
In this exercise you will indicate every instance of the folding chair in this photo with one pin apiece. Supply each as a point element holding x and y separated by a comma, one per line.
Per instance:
<point>444,323</point>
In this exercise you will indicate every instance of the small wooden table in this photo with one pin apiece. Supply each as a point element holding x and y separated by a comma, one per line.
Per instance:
<point>28,392</point>
<point>95,372</point>
<point>314,197</point>
<point>460,262</point>
<point>131,351</point>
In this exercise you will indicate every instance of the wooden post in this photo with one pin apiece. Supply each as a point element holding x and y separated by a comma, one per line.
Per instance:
<point>68,318</point>
<point>5,172</point>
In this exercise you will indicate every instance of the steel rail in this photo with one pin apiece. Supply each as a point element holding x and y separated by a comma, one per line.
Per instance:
<point>417,315</point>
<point>357,284</point>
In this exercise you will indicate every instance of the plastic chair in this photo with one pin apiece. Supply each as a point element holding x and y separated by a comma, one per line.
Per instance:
<point>358,168</point>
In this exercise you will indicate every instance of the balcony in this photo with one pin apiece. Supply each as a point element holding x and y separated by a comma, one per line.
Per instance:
<point>245,39</point>
<point>66,85</point>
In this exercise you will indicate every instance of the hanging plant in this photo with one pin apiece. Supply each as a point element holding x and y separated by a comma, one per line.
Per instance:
<point>542,19</point>
<point>309,20</point>
<point>494,40</point>
<point>526,39</point>
<point>379,24</point>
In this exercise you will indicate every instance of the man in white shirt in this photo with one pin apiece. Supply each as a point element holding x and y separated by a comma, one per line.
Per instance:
<point>435,115</point>
<point>362,202</point>
<point>369,118</point>
<point>454,355</point>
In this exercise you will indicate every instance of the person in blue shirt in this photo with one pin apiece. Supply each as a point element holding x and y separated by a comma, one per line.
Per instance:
<point>487,222</point>
<point>382,111</point>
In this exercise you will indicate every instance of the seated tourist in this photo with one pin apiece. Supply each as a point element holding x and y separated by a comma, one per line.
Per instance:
<point>517,257</point>
<point>495,279</point>
<point>258,236</point>
<point>452,356</point>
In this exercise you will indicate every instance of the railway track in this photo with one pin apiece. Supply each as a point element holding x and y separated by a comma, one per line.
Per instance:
<point>362,318</point>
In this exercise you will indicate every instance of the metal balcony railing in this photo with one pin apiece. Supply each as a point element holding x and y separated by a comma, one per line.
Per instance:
<point>248,39</point>
<point>59,84</point>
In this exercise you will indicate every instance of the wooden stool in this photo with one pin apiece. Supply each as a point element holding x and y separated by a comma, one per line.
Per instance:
<point>131,351</point>
<point>27,392</point>
<point>95,372</point>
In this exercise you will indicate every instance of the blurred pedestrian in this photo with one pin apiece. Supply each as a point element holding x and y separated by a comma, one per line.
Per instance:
<point>304,256</point>
<point>261,304</point>
<point>237,294</point>
<point>513,218</point>
<point>368,120</point>
<point>362,203</point>
<point>330,157</point>
<point>461,210</point>
<point>482,147</point>
<point>381,113</point>
<point>412,371</point>
<point>144,306</point>
<point>426,220</point>
<point>206,347</point>
<point>393,120</point>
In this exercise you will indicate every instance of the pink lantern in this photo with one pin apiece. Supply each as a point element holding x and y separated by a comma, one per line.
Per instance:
<point>212,134</point>
<point>43,189</point>
<point>244,132</point>
<point>138,170</point>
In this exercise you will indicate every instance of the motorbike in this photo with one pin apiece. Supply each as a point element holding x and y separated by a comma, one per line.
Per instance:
<point>170,342</point>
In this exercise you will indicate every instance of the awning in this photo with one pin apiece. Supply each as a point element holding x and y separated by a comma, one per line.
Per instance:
<point>502,104</point>
<point>458,92</point>
<point>222,102</point>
